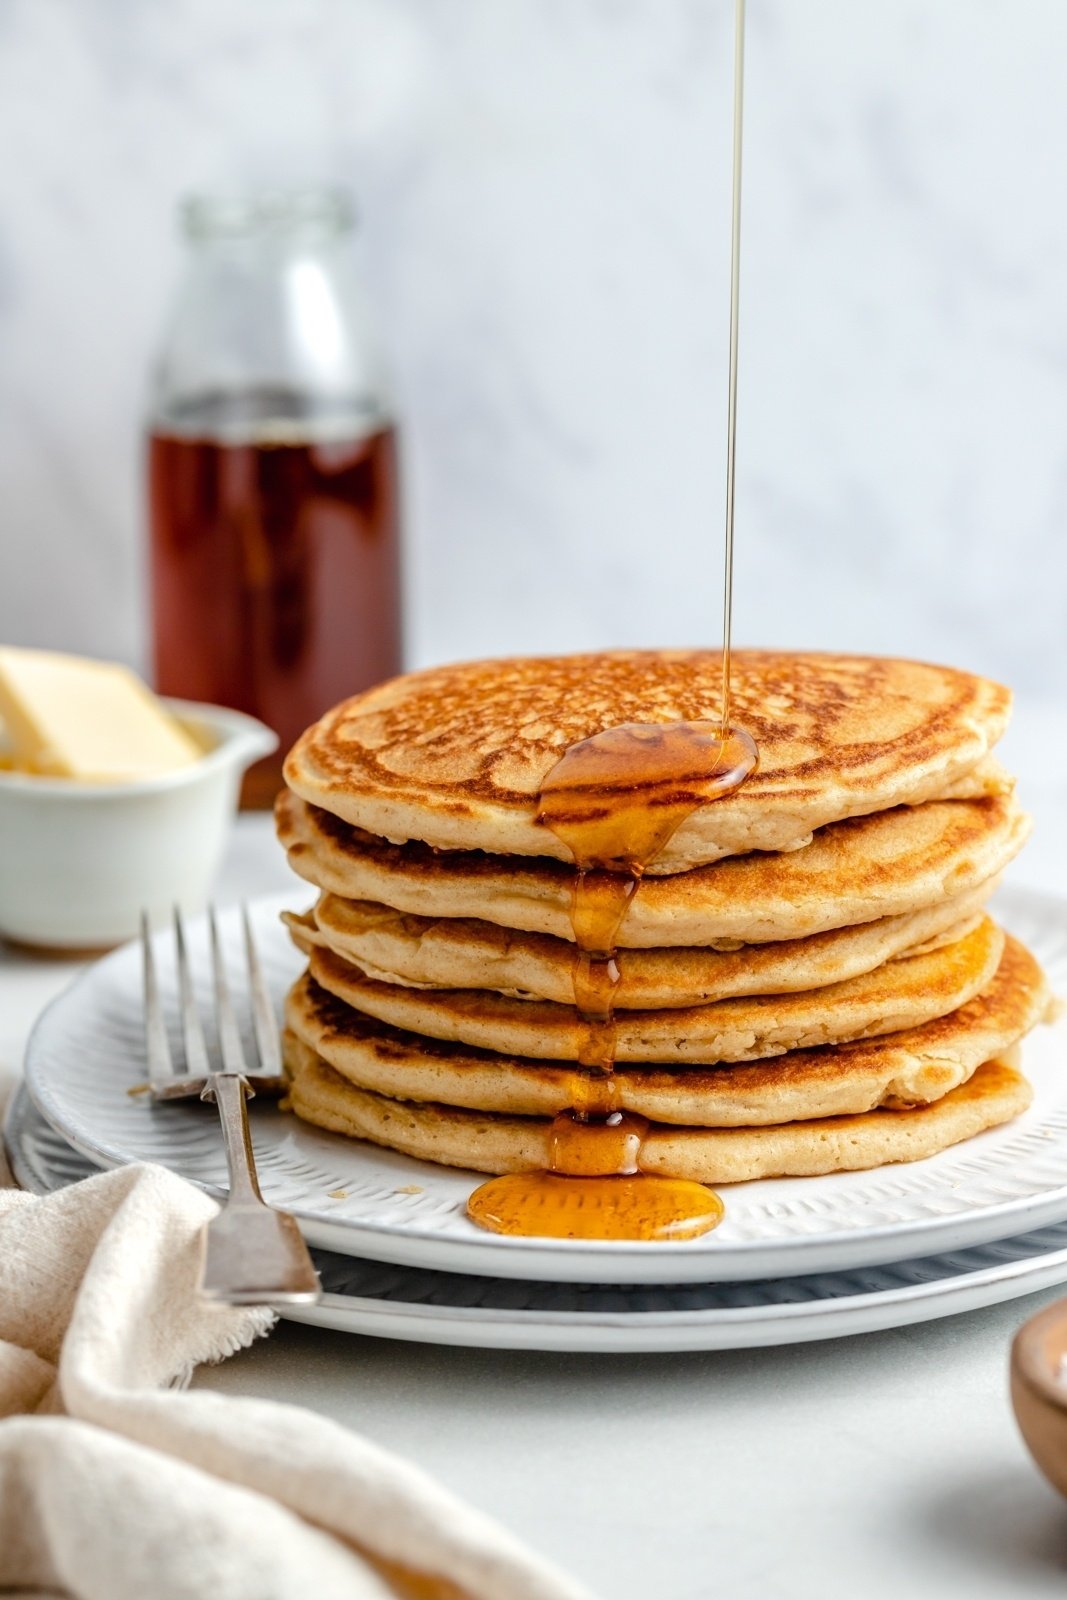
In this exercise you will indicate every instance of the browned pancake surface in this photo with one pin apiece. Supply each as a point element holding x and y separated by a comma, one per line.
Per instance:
<point>456,756</point>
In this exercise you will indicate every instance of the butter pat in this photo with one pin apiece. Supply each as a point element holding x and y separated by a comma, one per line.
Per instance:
<point>94,721</point>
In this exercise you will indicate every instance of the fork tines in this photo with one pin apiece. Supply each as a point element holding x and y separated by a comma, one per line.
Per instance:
<point>168,1079</point>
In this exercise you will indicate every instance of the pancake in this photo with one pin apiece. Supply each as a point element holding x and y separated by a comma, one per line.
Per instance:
<point>463,953</point>
<point>852,872</point>
<point>484,1142</point>
<point>455,756</point>
<point>901,994</point>
<point>901,1069</point>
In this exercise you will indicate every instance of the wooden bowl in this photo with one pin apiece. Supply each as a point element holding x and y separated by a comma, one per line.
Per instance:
<point>1039,1390</point>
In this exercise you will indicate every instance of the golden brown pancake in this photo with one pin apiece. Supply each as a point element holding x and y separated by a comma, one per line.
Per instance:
<point>900,1069</point>
<point>883,865</point>
<point>456,756</point>
<point>484,1142</point>
<point>901,994</point>
<point>463,953</point>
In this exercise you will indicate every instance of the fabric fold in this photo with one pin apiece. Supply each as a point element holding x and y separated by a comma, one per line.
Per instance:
<point>116,1482</point>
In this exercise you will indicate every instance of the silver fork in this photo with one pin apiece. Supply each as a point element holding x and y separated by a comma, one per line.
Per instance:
<point>253,1254</point>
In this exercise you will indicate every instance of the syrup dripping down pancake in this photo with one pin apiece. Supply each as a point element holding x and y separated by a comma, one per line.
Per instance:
<point>484,1142</point>
<point>888,864</point>
<point>898,995</point>
<point>458,953</point>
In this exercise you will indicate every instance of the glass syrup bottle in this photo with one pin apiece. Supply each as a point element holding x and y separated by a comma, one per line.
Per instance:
<point>272,471</point>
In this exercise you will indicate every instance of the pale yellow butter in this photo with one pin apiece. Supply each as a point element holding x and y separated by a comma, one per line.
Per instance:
<point>95,721</point>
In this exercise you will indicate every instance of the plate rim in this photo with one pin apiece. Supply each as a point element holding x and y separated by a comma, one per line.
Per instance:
<point>607,1261</point>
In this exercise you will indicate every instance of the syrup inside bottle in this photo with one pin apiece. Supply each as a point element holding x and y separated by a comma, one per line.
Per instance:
<point>615,800</point>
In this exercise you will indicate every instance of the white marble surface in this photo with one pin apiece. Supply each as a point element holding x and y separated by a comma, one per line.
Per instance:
<point>544,186</point>
<point>886,1464</point>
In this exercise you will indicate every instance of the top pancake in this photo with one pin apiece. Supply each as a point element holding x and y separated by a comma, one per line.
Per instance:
<point>456,756</point>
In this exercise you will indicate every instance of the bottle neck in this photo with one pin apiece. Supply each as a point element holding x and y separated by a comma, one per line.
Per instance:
<point>313,215</point>
<point>269,335</point>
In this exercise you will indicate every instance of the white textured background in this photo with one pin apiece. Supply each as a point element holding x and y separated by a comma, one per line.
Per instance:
<point>544,187</point>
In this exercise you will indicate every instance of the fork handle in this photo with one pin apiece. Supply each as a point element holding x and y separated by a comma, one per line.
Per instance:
<point>231,1094</point>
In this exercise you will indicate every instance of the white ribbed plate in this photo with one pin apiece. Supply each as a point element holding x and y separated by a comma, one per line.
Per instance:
<point>414,1303</point>
<point>86,1052</point>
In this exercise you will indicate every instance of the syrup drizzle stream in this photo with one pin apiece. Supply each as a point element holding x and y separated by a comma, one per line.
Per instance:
<point>731,409</point>
<point>616,800</point>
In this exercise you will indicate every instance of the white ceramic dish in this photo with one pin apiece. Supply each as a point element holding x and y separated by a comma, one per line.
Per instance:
<point>80,861</point>
<point>86,1052</point>
<point>412,1303</point>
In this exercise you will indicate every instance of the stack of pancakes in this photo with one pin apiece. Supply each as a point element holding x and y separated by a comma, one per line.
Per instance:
<point>808,978</point>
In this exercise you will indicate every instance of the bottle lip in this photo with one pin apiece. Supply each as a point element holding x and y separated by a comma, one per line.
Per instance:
<point>278,211</point>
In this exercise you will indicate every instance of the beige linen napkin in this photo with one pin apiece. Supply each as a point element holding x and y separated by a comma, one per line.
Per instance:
<point>115,1484</point>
